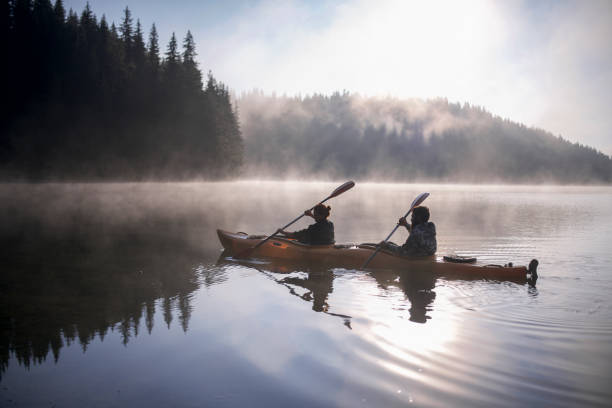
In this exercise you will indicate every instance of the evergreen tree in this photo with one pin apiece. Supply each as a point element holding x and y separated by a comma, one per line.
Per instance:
<point>60,47</point>
<point>71,28</point>
<point>43,15</point>
<point>139,46</point>
<point>171,75</point>
<point>172,56</point>
<point>104,29</point>
<point>126,27</point>
<point>23,70</point>
<point>43,32</point>
<point>153,49</point>
<point>105,56</point>
<point>126,35</point>
<point>193,76</point>
<point>189,51</point>
<point>59,11</point>
<point>87,17</point>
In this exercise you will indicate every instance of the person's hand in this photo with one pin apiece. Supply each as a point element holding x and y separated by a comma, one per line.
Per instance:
<point>308,213</point>
<point>382,244</point>
<point>280,231</point>
<point>402,221</point>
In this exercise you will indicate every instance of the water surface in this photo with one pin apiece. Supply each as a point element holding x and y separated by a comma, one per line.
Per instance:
<point>118,295</point>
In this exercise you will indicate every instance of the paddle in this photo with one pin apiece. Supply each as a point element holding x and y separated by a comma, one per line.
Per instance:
<point>344,187</point>
<point>417,201</point>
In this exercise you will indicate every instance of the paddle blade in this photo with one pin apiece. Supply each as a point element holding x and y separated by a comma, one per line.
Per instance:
<point>346,186</point>
<point>419,199</point>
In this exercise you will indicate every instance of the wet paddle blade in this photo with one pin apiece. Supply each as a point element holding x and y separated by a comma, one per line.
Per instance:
<point>345,187</point>
<point>418,200</point>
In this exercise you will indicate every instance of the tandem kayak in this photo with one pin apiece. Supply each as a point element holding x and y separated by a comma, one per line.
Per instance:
<point>352,256</point>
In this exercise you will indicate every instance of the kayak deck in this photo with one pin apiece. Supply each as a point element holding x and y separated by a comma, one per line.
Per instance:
<point>353,256</point>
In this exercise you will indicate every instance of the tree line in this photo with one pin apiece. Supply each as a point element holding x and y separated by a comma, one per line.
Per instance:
<point>346,135</point>
<point>88,100</point>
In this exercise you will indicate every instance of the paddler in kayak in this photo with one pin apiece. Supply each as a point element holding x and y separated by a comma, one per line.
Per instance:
<point>422,238</point>
<point>319,233</point>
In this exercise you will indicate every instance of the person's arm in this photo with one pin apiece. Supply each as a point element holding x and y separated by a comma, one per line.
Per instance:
<point>302,235</point>
<point>295,234</point>
<point>402,221</point>
<point>287,234</point>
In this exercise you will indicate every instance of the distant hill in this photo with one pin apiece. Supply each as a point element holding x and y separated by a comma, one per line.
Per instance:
<point>348,136</point>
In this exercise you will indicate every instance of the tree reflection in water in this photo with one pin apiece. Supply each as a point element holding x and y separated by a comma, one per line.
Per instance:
<point>60,288</point>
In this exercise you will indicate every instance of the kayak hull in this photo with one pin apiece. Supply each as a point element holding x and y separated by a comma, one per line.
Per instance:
<point>354,256</point>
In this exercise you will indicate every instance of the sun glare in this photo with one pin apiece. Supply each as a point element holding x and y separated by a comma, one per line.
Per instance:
<point>409,346</point>
<point>400,48</point>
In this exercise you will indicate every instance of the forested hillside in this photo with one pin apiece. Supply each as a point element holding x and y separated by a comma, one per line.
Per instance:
<point>348,136</point>
<point>85,99</point>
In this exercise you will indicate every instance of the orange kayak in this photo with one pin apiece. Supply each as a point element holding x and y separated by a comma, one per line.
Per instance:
<point>353,256</point>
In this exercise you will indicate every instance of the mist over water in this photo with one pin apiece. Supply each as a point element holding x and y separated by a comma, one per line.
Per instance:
<point>117,294</point>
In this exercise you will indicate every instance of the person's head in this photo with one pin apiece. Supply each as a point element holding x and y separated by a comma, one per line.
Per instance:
<point>321,212</point>
<point>420,215</point>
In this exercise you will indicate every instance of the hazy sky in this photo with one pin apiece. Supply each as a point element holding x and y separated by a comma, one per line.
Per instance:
<point>543,63</point>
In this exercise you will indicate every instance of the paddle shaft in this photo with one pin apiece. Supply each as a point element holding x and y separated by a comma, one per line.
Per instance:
<point>386,239</point>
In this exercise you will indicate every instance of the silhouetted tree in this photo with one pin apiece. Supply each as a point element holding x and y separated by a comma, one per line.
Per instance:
<point>193,76</point>
<point>86,100</point>
<point>59,11</point>
<point>172,56</point>
<point>153,49</point>
<point>139,45</point>
<point>126,28</point>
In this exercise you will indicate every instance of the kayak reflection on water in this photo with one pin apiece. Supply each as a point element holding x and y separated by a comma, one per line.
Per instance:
<point>418,288</point>
<point>318,283</point>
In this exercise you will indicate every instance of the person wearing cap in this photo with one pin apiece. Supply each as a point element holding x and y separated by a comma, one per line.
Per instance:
<point>319,233</point>
<point>422,238</point>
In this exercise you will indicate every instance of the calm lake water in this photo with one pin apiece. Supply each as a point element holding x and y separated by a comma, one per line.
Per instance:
<point>117,295</point>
